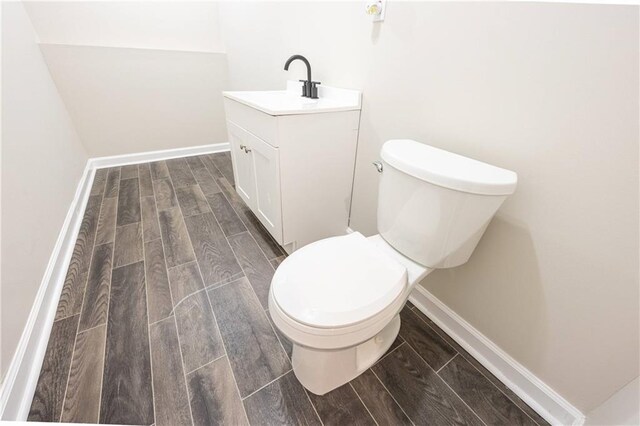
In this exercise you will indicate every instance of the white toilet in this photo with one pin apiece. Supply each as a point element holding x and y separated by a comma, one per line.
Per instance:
<point>338,299</point>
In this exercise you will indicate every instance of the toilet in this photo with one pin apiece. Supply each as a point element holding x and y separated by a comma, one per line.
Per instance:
<point>338,299</point>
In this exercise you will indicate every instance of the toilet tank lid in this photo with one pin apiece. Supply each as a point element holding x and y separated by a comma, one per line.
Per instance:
<point>444,168</point>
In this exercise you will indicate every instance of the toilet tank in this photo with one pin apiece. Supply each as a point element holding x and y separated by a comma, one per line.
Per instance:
<point>434,205</point>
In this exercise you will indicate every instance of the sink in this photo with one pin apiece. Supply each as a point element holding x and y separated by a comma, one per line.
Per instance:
<point>289,101</point>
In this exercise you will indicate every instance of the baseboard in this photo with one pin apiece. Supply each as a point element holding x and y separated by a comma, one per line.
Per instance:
<point>145,157</point>
<point>533,391</point>
<point>19,384</point>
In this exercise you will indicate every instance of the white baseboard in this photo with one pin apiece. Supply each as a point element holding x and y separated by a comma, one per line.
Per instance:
<point>145,157</point>
<point>533,391</point>
<point>19,384</point>
<point>21,379</point>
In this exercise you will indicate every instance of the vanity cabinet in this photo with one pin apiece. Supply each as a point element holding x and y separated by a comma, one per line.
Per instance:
<point>293,159</point>
<point>256,171</point>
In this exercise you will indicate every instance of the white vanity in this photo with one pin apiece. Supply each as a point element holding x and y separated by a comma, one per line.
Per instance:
<point>293,159</point>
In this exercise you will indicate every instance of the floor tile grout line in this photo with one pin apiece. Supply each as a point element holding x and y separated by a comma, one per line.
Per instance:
<point>209,300</point>
<point>128,178</point>
<point>84,294</point>
<point>235,255</point>
<point>226,354</point>
<point>67,317</point>
<point>131,223</point>
<point>131,263</point>
<point>265,256</point>
<point>447,384</point>
<point>184,223</point>
<point>153,239</point>
<point>161,319</point>
<point>217,284</point>
<point>250,285</point>
<point>501,391</point>
<point>267,384</point>
<point>173,310</point>
<point>181,264</point>
<point>151,171</point>
<point>363,404</point>
<point>215,317</point>
<point>228,243</point>
<point>184,373</point>
<point>66,386</point>
<point>446,363</point>
<point>391,395</point>
<point>103,244</point>
<point>237,233</point>
<point>389,353</point>
<point>191,242</point>
<point>315,410</point>
<point>226,281</point>
<point>146,294</point>
<point>266,311</point>
<point>429,326</point>
<point>175,320</point>
<point>204,365</point>
<point>439,332</point>
<point>106,326</point>
<point>252,291</point>
<point>213,178</point>
<point>94,327</point>
<point>238,215</point>
<point>129,165</point>
<point>220,284</point>
<point>161,238</point>
<point>463,401</point>
<point>274,258</point>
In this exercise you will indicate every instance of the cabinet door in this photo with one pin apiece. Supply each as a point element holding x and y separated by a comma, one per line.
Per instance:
<point>267,204</point>
<point>242,164</point>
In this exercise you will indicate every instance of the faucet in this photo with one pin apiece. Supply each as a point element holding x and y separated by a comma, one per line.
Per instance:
<point>309,88</point>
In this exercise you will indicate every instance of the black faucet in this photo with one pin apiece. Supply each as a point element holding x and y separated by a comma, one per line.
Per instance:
<point>309,88</point>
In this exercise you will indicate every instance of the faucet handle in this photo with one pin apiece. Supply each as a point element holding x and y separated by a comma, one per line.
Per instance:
<point>305,88</point>
<point>313,90</point>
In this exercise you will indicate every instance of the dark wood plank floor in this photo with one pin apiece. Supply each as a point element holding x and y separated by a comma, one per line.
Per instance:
<point>162,320</point>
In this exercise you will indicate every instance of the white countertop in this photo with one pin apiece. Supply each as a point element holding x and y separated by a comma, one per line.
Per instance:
<point>289,102</point>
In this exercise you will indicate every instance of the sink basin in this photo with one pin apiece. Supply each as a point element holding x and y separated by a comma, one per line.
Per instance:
<point>289,101</point>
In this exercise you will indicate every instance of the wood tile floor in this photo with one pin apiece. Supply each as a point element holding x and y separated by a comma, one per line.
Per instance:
<point>162,320</point>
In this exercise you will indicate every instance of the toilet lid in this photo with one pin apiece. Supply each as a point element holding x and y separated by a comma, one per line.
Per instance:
<point>337,282</point>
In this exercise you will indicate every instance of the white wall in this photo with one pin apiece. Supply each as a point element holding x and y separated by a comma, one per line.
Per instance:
<point>165,25</point>
<point>136,100</point>
<point>42,161</point>
<point>548,90</point>
<point>136,76</point>
<point>623,408</point>
<point>259,38</point>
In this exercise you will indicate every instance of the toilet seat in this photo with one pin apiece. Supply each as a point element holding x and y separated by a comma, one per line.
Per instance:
<point>337,282</point>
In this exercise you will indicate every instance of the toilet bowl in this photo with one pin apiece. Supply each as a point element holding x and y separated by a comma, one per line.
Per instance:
<point>351,319</point>
<point>338,299</point>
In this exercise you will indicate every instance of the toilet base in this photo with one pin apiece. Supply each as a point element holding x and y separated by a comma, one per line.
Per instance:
<point>321,371</point>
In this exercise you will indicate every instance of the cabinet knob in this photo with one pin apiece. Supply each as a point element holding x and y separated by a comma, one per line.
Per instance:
<point>242,147</point>
<point>247,150</point>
